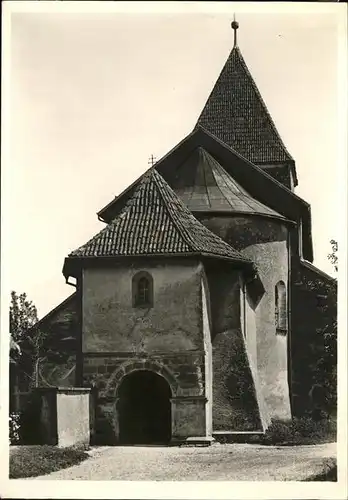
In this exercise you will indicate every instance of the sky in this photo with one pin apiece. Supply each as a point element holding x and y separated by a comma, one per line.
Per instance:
<point>93,95</point>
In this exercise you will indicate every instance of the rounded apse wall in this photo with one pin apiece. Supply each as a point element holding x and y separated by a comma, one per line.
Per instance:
<point>266,242</point>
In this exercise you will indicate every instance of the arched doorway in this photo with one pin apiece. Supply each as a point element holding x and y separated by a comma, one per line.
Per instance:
<point>144,409</point>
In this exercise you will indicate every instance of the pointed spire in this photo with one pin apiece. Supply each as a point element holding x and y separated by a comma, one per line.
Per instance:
<point>236,113</point>
<point>234,26</point>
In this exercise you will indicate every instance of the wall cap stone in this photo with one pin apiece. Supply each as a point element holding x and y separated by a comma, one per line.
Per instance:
<point>143,354</point>
<point>64,389</point>
<point>252,433</point>
<point>189,398</point>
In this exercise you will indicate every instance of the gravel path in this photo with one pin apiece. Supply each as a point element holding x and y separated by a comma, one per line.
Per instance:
<point>229,462</point>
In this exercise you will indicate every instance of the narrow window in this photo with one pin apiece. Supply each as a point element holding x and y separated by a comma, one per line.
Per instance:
<point>276,306</point>
<point>280,308</point>
<point>142,290</point>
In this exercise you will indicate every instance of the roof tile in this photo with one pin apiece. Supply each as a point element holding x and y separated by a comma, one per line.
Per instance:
<point>155,221</point>
<point>236,114</point>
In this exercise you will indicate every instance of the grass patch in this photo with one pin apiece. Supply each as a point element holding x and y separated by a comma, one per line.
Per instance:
<point>33,461</point>
<point>328,474</point>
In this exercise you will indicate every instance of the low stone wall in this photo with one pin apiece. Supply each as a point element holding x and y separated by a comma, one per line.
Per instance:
<point>65,416</point>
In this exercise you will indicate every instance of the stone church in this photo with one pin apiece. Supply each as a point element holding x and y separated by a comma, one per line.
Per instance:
<point>196,305</point>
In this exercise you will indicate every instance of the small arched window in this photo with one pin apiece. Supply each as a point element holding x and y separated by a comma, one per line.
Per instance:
<point>142,290</point>
<point>281,312</point>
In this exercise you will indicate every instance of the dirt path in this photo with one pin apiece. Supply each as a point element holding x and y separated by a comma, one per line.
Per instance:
<point>229,462</point>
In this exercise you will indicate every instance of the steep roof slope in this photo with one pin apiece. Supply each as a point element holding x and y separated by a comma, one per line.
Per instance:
<point>156,222</point>
<point>252,178</point>
<point>204,185</point>
<point>236,113</point>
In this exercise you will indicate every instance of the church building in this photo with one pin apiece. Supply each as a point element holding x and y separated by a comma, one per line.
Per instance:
<point>196,306</point>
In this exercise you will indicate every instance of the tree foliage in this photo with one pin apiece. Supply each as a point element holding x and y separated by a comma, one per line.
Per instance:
<point>324,388</point>
<point>26,342</point>
<point>32,346</point>
<point>15,350</point>
<point>314,343</point>
<point>333,256</point>
<point>23,316</point>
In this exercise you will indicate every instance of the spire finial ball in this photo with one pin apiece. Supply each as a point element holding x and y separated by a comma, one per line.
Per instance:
<point>234,25</point>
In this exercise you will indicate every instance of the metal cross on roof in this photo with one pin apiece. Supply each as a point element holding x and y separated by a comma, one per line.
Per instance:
<point>152,160</point>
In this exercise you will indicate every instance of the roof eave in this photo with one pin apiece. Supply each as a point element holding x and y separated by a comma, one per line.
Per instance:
<point>52,311</point>
<point>242,213</point>
<point>316,270</point>
<point>74,263</point>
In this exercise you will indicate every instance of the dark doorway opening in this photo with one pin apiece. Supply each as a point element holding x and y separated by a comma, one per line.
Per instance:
<point>144,409</point>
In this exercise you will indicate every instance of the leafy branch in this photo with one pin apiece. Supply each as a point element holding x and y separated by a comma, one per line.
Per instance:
<point>333,256</point>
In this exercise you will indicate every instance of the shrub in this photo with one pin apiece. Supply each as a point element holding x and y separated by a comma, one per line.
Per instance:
<point>14,422</point>
<point>308,428</point>
<point>302,430</point>
<point>278,432</point>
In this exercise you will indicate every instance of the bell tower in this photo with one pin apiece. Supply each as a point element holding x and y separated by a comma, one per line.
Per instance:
<point>237,115</point>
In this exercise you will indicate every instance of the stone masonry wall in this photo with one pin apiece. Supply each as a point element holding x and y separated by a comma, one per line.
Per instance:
<point>184,372</point>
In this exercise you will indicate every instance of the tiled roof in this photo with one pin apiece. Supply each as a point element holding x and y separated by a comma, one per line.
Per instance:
<point>156,222</point>
<point>236,113</point>
<point>254,179</point>
<point>204,185</point>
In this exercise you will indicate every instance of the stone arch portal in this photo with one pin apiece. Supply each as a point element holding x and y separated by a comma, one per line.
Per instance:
<point>126,368</point>
<point>144,408</point>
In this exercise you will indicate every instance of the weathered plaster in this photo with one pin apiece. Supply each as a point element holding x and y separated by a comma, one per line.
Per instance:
<point>234,400</point>
<point>248,319</point>
<point>73,414</point>
<point>208,365</point>
<point>188,418</point>
<point>64,416</point>
<point>265,241</point>
<point>111,323</point>
<point>172,339</point>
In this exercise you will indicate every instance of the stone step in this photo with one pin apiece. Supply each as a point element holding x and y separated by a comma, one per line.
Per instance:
<point>193,441</point>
